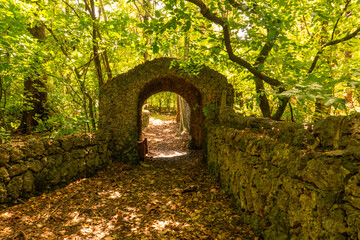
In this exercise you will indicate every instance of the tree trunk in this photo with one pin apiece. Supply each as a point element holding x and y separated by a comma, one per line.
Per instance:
<point>185,112</point>
<point>35,91</point>
<point>320,108</point>
<point>2,95</point>
<point>178,108</point>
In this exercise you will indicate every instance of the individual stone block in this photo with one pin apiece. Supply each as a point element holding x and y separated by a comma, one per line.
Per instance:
<point>53,147</point>
<point>324,173</point>
<point>352,191</point>
<point>72,169</point>
<point>34,165</point>
<point>15,187</point>
<point>16,154</point>
<point>33,148</point>
<point>3,192</point>
<point>4,175</point>
<point>54,176</point>
<point>54,160</point>
<point>78,153</point>
<point>67,142</point>
<point>17,169</point>
<point>42,179</point>
<point>82,140</point>
<point>28,181</point>
<point>335,222</point>
<point>4,156</point>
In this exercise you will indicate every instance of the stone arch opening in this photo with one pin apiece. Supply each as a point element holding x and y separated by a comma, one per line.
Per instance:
<point>121,99</point>
<point>187,91</point>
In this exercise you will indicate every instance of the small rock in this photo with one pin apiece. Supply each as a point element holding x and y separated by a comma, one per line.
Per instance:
<point>4,175</point>
<point>34,165</point>
<point>17,169</point>
<point>4,156</point>
<point>3,193</point>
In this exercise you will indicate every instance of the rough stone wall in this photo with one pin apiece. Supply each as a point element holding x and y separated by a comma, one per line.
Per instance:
<point>122,97</point>
<point>290,181</point>
<point>33,166</point>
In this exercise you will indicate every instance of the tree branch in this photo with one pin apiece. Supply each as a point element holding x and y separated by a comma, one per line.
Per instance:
<point>346,38</point>
<point>62,48</point>
<point>67,4</point>
<point>331,43</point>
<point>259,76</point>
<point>337,21</point>
<point>90,10</point>
<point>259,84</point>
<point>243,6</point>
<point>234,3</point>
<point>205,11</point>
<point>66,54</point>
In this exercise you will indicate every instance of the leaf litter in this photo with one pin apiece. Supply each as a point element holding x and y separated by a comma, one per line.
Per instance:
<point>162,198</point>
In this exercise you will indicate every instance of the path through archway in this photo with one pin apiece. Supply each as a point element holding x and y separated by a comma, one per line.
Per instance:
<point>164,140</point>
<point>121,100</point>
<point>166,125</point>
<point>185,89</point>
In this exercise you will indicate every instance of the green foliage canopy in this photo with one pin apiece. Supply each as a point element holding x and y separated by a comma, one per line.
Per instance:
<point>277,54</point>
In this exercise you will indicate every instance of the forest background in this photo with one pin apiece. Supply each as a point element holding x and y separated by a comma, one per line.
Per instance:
<point>287,60</point>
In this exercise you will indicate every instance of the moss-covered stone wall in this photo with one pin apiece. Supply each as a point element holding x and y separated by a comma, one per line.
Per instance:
<point>30,167</point>
<point>290,181</point>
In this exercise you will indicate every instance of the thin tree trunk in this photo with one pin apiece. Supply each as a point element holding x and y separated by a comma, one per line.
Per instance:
<point>178,108</point>
<point>35,91</point>
<point>2,95</point>
<point>78,77</point>
<point>185,113</point>
<point>91,111</point>
<point>97,60</point>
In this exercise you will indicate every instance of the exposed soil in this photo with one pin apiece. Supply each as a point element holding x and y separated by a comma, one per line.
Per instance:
<point>170,195</point>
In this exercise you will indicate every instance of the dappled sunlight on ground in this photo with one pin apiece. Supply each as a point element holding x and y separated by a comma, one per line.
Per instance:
<point>164,140</point>
<point>156,122</point>
<point>163,198</point>
<point>127,202</point>
<point>170,154</point>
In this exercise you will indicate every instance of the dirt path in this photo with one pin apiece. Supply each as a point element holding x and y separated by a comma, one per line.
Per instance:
<point>164,139</point>
<point>163,198</point>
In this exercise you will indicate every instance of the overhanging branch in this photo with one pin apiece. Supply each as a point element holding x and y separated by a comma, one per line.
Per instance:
<point>332,43</point>
<point>205,11</point>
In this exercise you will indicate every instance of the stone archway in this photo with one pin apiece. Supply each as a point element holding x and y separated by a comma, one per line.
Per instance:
<point>186,90</point>
<point>121,100</point>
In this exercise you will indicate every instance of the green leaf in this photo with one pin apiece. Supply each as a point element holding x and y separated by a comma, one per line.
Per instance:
<point>155,48</point>
<point>261,67</point>
<point>276,47</point>
<point>336,102</point>
<point>144,164</point>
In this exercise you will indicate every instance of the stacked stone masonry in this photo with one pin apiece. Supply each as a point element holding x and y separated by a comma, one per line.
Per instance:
<point>290,181</point>
<point>122,98</point>
<point>31,167</point>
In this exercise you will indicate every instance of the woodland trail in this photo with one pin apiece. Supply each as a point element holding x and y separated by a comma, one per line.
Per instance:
<point>171,195</point>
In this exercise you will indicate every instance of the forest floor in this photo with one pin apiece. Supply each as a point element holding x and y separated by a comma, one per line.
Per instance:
<point>170,195</point>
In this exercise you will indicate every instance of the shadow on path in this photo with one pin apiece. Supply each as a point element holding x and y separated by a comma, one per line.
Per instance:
<point>163,198</point>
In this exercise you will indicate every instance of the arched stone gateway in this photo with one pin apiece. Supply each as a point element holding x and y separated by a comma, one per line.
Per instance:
<point>121,100</point>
